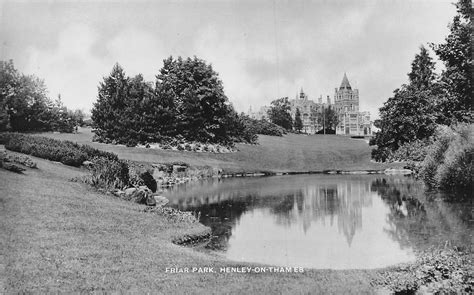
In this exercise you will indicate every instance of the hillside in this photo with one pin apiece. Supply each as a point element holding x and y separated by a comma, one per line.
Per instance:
<point>58,236</point>
<point>298,153</point>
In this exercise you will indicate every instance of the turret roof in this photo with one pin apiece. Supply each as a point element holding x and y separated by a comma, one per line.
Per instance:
<point>345,83</point>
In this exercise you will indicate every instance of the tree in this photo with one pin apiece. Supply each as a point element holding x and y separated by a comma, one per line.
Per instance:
<point>9,80</point>
<point>456,54</point>
<point>411,113</point>
<point>328,120</point>
<point>193,99</point>
<point>279,113</point>
<point>422,73</point>
<point>109,111</point>
<point>298,124</point>
<point>23,100</point>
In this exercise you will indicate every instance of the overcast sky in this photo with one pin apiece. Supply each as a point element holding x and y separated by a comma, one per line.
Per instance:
<point>262,50</point>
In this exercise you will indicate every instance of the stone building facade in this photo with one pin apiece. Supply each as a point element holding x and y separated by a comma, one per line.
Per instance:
<point>308,110</point>
<point>351,120</point>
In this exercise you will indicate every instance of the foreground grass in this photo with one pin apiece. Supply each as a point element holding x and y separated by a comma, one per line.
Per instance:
<point>298,153</point>
<point>60,236</point>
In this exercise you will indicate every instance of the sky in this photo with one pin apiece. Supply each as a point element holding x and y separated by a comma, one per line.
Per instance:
<point>262,50</point>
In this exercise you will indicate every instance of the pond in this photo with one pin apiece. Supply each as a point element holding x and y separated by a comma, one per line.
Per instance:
<point>323,221</point>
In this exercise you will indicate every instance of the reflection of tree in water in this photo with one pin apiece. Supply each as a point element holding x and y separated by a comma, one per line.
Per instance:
<point>221,217</point>
<point>416,220</point>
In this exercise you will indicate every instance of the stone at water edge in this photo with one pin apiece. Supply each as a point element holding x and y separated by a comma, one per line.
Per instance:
<point>130,191</point>
<point>150,200</point>
<point>139,197</point>
<point>160,200</point>
<point>158,174</point>
<point>144,188</point>
<point>119,193</point>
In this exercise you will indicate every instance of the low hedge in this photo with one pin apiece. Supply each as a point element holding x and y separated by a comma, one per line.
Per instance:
<point>66,152</point>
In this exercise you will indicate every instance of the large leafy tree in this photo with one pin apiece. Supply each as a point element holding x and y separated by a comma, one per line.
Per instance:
<point>24,105</point>
<point>192,97</point>
<point>412,112</point>
<point>457,79</point>
<point>279,113</point>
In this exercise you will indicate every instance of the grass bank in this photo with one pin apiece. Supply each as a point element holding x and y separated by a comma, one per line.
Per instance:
<point>61,236</point>
<point>290,153</point>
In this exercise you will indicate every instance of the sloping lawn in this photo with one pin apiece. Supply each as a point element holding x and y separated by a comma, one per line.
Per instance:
<point>299,153</point>
<point>61,236</point>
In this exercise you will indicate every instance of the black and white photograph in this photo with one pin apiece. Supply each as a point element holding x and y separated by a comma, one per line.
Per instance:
<point>236,147</point>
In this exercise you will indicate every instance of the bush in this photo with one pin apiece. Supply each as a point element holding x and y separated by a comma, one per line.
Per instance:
<point>11,167</point>
<point>66,152</point>
<point>19,159</point>
<point>108,174</point>
<point>263,127</point>
<point>449,164</point>
<point>437,271</point>
<point>380,154</point>
<point>415,151</point>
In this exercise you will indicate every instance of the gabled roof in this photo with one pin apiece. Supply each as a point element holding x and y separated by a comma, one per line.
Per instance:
<point>345,83</point>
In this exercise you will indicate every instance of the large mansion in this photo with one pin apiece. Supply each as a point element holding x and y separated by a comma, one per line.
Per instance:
<point>346,104</point>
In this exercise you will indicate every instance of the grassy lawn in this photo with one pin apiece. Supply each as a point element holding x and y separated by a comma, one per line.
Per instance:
<point>292,152</point>
<point>61,236</point>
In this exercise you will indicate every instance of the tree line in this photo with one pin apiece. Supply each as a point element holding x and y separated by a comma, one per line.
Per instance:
<point>429,99</point>
<point>186,101</point>
<point>25,106</point>
<point>410,121</point>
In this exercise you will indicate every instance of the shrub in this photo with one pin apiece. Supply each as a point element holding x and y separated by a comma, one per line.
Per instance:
<point>380,154</point>
<point>187,147</point>
<point>20,159</point>
<point>437,271</point>
<point>66,152</point>
<point>108,174</point>
<point>449,163</point>
<point>263,127</point>
<point>11,167</point>
<point>411,151</point>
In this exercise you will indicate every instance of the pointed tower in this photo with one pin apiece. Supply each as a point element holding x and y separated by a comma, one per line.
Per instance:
<point>346,98</point>
<point>346,102</point>
<point>345,83</point>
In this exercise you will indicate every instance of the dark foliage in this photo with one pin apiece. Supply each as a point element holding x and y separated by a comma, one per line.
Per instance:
<point>11,167</point>
<point>108,174</point>
<point>279,113</point>
<point>24,105</point>
<point>187,102</point>
<point>149,181</point>
<point>66,152</point>
<point>327,119</point>
<point>411,114</point>
<point>298,124</point>
<point>262,127</point>
<point>457,79</point>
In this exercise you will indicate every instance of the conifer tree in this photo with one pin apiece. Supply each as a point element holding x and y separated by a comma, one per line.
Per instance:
<point>109,111</point>
<point>457,79</point>
<point>192,97</point>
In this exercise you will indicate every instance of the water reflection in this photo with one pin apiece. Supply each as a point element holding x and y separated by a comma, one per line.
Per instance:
<point>321,221</point>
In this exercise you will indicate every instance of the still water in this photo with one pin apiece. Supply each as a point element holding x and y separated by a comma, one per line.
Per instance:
<point>323,221</point>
